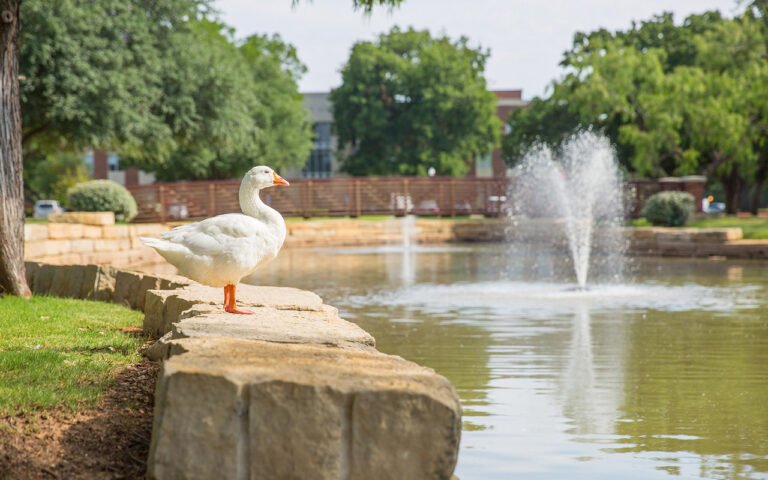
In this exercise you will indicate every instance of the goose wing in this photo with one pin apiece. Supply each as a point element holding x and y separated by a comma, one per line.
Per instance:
<point>223,235</point>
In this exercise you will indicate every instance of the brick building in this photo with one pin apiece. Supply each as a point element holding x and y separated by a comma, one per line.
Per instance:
<point>492,165</point>
<point>106,165</point>
<point>323,163</point>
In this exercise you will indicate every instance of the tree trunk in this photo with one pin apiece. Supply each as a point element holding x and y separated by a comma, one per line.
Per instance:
<point>756,195</point>
<point>732,189</point>
<point>760,177</point>
<point>12,277</point>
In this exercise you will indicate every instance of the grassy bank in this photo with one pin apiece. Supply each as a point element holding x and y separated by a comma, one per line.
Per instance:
<point>753,228</point>
<point>58,352</point>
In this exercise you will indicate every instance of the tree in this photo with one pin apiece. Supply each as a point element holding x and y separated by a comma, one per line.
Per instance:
<point>674,99</point>
<point>228,107</point>
<point>161,84</point>
<point>124,112</point>
<point>12,276</point>
<point>410,102</point>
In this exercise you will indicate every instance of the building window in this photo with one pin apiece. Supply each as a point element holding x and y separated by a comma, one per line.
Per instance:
<point>320,162</point>
<point>484,166</point>
<point>114,162</point>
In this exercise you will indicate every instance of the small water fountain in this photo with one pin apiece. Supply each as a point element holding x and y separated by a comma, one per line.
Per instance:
<point>570,199</point>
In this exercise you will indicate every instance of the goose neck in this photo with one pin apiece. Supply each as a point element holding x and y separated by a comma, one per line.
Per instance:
<point>251,203</point>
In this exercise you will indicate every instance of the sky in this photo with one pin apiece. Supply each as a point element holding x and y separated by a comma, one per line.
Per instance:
<point>526,37</point>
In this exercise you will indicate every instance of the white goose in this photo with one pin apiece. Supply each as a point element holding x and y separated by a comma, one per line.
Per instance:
<point>220,251</point>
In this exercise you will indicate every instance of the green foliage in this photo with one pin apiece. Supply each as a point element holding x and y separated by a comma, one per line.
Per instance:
<point>669,209</point>
<point>675,99</point>
<point>160,83</point>
<point>53,175</point>
<point>61,352</point>
<point>410,101</point>
<point>103,196</point>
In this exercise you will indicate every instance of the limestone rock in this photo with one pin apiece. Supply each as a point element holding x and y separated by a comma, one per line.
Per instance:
<point>228,408</point>
<point>44,279</point>
<point>164,307</point>
<point>31,269</point>
<point>34,232</point>
<point>269,324</point>
<point>127,285</point>
<point>84,218</point>
<point>160,350</point>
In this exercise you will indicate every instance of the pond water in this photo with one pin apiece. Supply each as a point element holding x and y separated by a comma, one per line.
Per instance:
<point>664,375</point>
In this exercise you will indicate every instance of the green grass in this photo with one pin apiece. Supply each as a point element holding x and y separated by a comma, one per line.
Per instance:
<point>640,222</point>
<point>58,352</point>
<point>753,228</point>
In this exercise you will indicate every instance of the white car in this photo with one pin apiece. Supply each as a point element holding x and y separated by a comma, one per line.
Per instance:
<point>43,208</point>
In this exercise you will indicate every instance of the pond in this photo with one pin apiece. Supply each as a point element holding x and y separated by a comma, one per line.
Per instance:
<point>664,374</point>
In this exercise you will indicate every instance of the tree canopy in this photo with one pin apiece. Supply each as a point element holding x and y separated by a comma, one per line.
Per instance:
<point>160,82</point>
<point>410,102</point>
<point>91,73</point>
<point>675,99</point>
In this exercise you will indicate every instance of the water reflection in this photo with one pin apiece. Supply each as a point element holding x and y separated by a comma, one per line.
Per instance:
<point>664,376</point>
<point>589,395</point>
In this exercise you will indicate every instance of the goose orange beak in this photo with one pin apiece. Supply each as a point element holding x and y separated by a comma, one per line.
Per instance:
<point>278,180</point>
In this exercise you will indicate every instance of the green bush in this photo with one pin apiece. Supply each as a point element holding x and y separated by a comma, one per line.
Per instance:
<point>669,209</point>
<point>103,196</point>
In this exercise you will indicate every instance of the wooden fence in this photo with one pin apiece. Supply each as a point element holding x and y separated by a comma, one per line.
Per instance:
<point>346,197</point>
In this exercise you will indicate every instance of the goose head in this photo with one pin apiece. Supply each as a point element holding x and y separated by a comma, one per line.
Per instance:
<point>261,177</point>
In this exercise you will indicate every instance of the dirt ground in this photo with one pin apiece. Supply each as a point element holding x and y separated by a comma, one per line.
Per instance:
<point>110,441</point>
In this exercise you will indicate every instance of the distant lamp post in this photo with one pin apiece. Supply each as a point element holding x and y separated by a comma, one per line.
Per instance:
<point>431,171</point>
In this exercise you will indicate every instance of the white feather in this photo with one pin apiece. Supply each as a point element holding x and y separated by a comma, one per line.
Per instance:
<point>221,250</point>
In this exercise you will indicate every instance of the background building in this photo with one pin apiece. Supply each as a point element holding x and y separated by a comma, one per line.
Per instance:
<point>106,165</point>
<point>323,162</point>
<point>492,165</point>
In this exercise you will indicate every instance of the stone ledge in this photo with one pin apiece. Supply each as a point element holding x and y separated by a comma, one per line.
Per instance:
<point>695,242</point>
<point>270,324</point>
<point>84,218</point>
<point>163,308</point>
<point>229,408</point>
<point>96,282</point>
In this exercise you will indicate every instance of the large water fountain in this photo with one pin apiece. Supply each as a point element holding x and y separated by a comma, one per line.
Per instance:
<point>570,200</point>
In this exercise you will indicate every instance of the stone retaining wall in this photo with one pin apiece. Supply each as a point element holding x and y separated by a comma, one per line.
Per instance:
<point>695,242</point>
<point>293,391</point>
<point>75,243</point>
<point>119,245</point>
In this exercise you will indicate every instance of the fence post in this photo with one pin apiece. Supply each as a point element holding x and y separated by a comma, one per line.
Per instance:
<point>211,199</point>
<point>307,198</point>
<point>358,205</point>
<point>502,195</point>
<point>441,198</point>
<point>453,197</point>
<point>162,203</point>
<point>406,196</point>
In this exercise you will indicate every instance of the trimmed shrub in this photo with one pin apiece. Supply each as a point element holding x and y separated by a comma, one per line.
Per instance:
<point>669,209</point>
<point>103,196</point>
